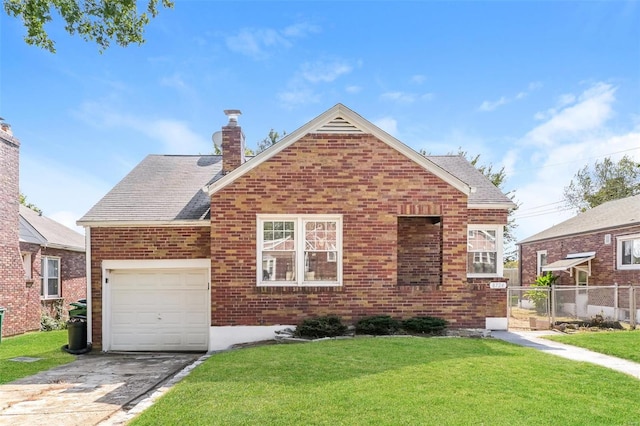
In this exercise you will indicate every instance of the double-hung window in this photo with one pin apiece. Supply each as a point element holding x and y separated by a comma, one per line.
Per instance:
<point>299,250</point>
<point>484,250</point>
<point>629,252</point>
<point>50,278</point>
<point>541,255</point>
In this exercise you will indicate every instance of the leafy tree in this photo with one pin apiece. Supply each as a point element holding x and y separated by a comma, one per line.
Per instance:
<point>606,181</point>
<point>272,138</point>
<point>101,21</point>
<point>24,202</point>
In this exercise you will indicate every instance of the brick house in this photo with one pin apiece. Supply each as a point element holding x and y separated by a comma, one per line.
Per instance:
<point>54,256</point>
<point>598,247</point>
<point>33,250</point>
<point>200,252</point>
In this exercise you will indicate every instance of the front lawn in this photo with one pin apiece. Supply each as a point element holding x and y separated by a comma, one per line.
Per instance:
<point>623,344</point>
<point>393,381</point>
<point>45,345</point>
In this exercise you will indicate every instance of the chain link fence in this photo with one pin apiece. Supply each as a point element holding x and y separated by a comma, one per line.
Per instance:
<point>538,308</point>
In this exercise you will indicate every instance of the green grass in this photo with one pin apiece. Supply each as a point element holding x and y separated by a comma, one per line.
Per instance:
<point>623,344</point>
<point>397,381</point>
<point>45,345</point>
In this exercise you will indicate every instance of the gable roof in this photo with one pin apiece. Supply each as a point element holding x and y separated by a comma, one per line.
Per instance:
<point>176,189</point>
<point>38,229</point>
<point>161,189</point>
<point>613,214</point>
<point>341,120</point>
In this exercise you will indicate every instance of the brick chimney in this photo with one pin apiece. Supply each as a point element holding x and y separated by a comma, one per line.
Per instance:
<point>232,142</point>
<point>12,277</point>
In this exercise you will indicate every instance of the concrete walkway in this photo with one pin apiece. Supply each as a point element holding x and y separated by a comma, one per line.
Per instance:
<point>88,390</point>
<point>532,339</point>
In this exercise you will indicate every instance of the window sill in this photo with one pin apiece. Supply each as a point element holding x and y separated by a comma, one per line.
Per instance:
<point>51,299</point>
<point>484,276</point>
<point>303,285</point>
<point>628,267</point>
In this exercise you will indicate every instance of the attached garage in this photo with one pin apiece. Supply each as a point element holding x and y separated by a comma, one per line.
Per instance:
<point>156,305</point>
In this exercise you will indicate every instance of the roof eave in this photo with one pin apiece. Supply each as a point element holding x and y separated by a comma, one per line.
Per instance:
<point>496,206</point>
<point>138,223</point>
<point>356,119</point>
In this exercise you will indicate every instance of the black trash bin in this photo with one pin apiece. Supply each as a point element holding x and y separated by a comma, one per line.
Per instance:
<point>77,328</point>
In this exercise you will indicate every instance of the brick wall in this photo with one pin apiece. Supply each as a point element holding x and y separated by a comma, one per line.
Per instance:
<point>139,243</point>
<point>370,184</point>
<point>13,288</point>
<point>603,267</point>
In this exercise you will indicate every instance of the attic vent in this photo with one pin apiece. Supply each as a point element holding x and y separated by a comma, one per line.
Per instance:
<point>338,125</point>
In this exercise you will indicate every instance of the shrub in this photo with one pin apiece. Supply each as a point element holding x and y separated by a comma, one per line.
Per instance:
<point>316,328</point>
<point>49,323</point>
<point>425,325</point>
<point>378,325</point>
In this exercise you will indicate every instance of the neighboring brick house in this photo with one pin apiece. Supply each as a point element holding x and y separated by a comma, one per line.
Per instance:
<point>54,258</point>
<point>26,239</point>
<point>199,252</point>
<point>598,247</point>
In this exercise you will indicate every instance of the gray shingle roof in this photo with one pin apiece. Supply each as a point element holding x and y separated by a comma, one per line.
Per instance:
<point>486,192</point>
<point>38,229</point>
<point>169,188</point>
<point>617,213</point>
<point>160,188</point>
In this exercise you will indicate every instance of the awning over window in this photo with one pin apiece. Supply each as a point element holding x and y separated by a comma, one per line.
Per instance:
<point>572,261</point>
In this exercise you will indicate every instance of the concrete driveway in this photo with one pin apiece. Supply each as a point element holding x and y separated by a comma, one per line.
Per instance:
<point>89,390</point>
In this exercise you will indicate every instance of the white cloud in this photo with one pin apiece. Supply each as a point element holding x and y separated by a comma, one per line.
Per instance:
<point>258,43</point>
<point>487,106</point>
<point>388,124</point>
<point>592,109</point>
<point>323,71</point>
<point>302,88</point>
<point>491,105</point>
<point>175,136</point>
<point>545,160</point>
<point>418,79</point>
<point>405,97</point>
<point>353,89</point>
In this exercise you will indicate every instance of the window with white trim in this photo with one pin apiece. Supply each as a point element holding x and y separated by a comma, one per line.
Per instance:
<point>303,250</point>
<point>484,250</point>
<point>541,255</point>
<point>629,252</point>
<point>50,278</point>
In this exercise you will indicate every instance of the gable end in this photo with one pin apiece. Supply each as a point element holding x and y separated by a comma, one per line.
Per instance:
<point>338,125</point>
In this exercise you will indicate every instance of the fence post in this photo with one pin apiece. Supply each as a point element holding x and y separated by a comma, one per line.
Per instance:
<point>632,307</point>
<point>553,305</point>
<point>616,302</point>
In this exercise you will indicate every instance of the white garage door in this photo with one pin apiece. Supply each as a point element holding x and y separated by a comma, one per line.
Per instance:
<point>159,310</point>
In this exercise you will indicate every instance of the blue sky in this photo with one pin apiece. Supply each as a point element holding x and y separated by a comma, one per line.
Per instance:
<point>541,88</point>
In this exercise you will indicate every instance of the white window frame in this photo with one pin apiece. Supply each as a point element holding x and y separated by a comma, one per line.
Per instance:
<point>619,241</point>
<point>499,229</point>
<point>539,264</point>
<point>299,278</point>
<point>44,278</point>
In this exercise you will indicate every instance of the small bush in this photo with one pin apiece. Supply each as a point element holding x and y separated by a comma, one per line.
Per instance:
<point>378,325</point>
<point>425,325</point>
<point>48,323</point>
<point>319,327</point>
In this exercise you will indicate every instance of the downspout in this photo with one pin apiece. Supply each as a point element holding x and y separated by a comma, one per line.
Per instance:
<point>87,245</point>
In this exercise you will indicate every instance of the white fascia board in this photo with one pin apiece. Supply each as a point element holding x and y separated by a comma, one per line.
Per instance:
<point>65,247</point>
<point>139,224</point>
<point>497,206</point>
<point>156,264</point>
<point>367,127</point>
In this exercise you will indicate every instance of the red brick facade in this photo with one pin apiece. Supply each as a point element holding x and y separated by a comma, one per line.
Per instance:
<point>379,192</point>
<point>14,293</point>
<point>73,283</point>
<point>139,243</point>
<point>603,267</point>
